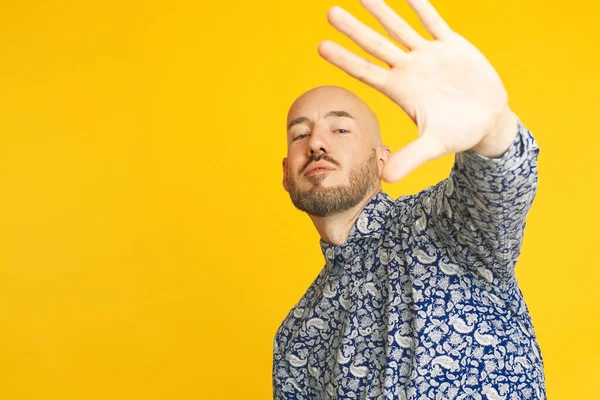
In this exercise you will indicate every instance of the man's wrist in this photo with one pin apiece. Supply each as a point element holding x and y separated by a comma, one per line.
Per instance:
<point>502,135</point>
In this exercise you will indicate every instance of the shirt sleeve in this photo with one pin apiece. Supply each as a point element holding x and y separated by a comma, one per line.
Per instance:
<point>479,210</point>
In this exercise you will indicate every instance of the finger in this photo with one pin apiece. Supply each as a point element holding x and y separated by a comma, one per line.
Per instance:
<point>411,156</point>
<point>361,69</point>
<point>369,40</point>
<point>394,25</point>
<point>431,20</point>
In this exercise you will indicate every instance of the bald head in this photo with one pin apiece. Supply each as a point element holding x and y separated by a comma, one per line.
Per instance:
<point>335,101</point>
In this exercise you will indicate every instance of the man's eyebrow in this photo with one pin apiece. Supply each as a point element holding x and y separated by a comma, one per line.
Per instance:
<point>329,114</point>
<point>296,122</point>
<point>338,114</point>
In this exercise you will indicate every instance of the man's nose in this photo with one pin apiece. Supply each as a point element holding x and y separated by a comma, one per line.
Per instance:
<point>319,141</point>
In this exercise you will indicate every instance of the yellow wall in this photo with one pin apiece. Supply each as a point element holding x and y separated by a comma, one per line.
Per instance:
<point>147,248</point>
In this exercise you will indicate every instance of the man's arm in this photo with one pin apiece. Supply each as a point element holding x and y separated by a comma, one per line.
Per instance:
<point>479,211</point>
<point>459,103</point>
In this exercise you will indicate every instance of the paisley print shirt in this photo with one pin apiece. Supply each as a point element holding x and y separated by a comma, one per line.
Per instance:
<point>422,302</point>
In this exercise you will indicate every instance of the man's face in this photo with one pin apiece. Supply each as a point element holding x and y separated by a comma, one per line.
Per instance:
<point>332,161</point>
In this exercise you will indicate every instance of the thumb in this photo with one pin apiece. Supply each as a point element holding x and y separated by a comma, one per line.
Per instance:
<point>411,156</point>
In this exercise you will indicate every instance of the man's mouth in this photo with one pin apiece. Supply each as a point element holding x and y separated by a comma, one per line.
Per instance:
<point>316,171</point>
<point>318,167</point>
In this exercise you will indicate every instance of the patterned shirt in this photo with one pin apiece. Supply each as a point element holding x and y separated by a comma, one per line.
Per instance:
<point>421,301</point>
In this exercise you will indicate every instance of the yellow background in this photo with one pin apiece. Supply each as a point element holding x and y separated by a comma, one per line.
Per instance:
<point>147,248</point>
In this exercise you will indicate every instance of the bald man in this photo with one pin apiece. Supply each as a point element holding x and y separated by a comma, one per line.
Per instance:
<point>418,298</point>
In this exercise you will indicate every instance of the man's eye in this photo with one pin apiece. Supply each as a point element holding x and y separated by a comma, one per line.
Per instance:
<point>301,136</point>
<point>340,130</point>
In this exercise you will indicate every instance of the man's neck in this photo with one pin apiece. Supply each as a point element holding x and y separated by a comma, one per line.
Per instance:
<point>335,229</point>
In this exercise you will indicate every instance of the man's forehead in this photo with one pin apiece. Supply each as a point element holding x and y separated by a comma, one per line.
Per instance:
<point>323,105</point>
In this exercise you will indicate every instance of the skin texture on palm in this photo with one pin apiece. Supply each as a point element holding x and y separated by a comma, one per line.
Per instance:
<point>445,85</point>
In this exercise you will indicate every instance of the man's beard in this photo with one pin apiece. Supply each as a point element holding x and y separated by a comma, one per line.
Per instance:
<point>322,201</point>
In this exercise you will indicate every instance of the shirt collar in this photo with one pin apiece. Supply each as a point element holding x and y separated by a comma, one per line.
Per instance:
<point>369,224</point>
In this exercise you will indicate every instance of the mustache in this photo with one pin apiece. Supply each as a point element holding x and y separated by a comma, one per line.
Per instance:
<point>320,157</point>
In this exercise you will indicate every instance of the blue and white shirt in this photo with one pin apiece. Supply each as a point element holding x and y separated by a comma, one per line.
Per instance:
<point>422,302</point>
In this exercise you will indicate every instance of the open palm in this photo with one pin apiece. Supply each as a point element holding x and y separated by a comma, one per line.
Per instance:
<point>446,86</point>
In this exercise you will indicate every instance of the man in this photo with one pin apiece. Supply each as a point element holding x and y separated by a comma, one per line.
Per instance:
<point>418,298</point>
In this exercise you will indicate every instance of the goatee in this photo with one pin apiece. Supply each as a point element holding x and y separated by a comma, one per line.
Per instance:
<point>322,201</point>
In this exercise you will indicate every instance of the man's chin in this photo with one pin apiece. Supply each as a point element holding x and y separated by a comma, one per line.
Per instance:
<point>319,188</point>
<point>317,180</point>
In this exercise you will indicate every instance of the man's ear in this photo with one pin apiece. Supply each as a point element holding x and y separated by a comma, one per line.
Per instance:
<point>284,165</point>
<point>383,155</point>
